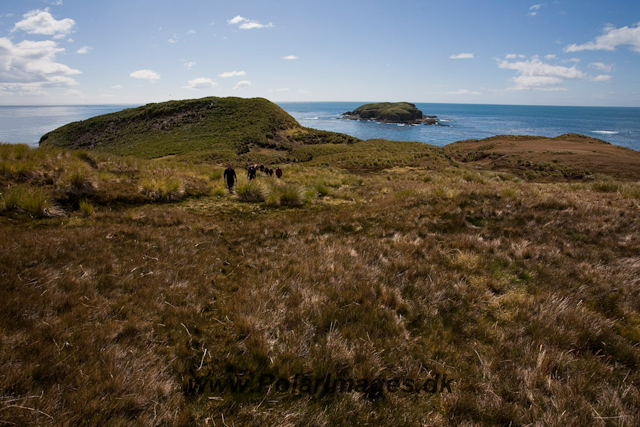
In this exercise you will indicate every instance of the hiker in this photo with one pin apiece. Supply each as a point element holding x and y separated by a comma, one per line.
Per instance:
<point>270,172</point>
<point>252,172</point>
<point>279,172</point>
<point>230,176</point>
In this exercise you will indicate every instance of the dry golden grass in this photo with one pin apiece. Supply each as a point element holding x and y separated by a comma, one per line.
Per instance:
<point>526,294</point>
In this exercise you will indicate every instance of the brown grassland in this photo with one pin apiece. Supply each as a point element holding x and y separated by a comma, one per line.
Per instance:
<point>126,283</point>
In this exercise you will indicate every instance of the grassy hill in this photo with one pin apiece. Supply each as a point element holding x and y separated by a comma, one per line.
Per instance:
<point>204,129</point>
<point>566,157</point>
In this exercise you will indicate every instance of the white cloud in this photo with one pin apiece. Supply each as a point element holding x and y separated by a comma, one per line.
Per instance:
<point>511,56</point>
<point>611,38</point>
<point>290,57</point>
<point>241,84</point>
<point>28,67</point>
<point>601,78</point>
<point>238,19</point>
<point>145,75</point>
<point>84,49</point>
<point>248,24</point>
<point>535,74</point>
<point>601,66</point>
<point>462,56</point>
<point>41,22</point>
<point>200,83</point>
<point>463,92</point>
<point>191,32</point>
<point>232,74</point>
<point>116,87</point>
<point>548,57</point>
<point>304,92</point>
<point>189,65</point>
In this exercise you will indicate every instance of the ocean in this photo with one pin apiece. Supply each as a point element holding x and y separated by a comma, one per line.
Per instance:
<point>619,126</point>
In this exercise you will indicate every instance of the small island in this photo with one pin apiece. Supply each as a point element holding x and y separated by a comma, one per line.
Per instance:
<point>391,112</point>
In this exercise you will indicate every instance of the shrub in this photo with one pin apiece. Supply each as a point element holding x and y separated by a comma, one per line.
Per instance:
<point>250,192</point>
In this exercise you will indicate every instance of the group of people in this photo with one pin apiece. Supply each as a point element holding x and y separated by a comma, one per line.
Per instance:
<point>252,170</point>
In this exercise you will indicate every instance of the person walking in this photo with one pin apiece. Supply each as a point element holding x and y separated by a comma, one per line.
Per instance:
<point>279,172</point>
<point>231,178</point>
<point>251,172</point>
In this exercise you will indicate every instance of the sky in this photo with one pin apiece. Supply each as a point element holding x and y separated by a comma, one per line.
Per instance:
<point>576,53</point>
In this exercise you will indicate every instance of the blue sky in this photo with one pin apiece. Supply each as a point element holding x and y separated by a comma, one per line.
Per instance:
<point>490,52</point>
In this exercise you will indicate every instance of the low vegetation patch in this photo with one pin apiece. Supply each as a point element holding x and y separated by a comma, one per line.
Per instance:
<point>424,292</point>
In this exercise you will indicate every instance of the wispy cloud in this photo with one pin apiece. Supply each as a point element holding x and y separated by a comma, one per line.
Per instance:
<point>601,66</point>
<point>200,83</point>
<point>601,78</point>
<point>189,65</point>
<point>241,84</point>
<point>533,10</point>
<point>610,39</point>
<point>537,75</point>
<point>290,57</point>
<point>41,22</point>
<point>248,24</point>
<point>463,92</point>
<point>462,56</point>
<point>232,74</point>
<point>145,75</point>
<point>84,49</point>
<point>116,87</point>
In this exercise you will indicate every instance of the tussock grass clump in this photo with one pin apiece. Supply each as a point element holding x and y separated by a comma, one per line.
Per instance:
<point>86,207</point>
<point>168,189</point>
<point>251,191</point>
<point>630,190</point>
<point>288,194</point>
<point>77,181</point>
<point>34,201</point>
<point>606,186</point>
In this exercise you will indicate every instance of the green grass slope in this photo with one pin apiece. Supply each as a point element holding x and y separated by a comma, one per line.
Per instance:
<point>206,128</point>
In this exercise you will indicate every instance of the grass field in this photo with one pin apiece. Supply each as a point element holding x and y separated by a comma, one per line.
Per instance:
<point>130,286</point>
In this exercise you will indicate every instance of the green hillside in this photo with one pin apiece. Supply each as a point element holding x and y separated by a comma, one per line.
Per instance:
<point>207,128</point>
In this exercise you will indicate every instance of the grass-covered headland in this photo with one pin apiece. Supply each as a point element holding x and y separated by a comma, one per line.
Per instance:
<point>376,283</point>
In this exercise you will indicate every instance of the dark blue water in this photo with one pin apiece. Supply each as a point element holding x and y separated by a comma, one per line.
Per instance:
<point>620,126</point>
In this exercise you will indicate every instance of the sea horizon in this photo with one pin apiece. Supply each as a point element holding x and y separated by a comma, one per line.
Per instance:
<point>614,124</point>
